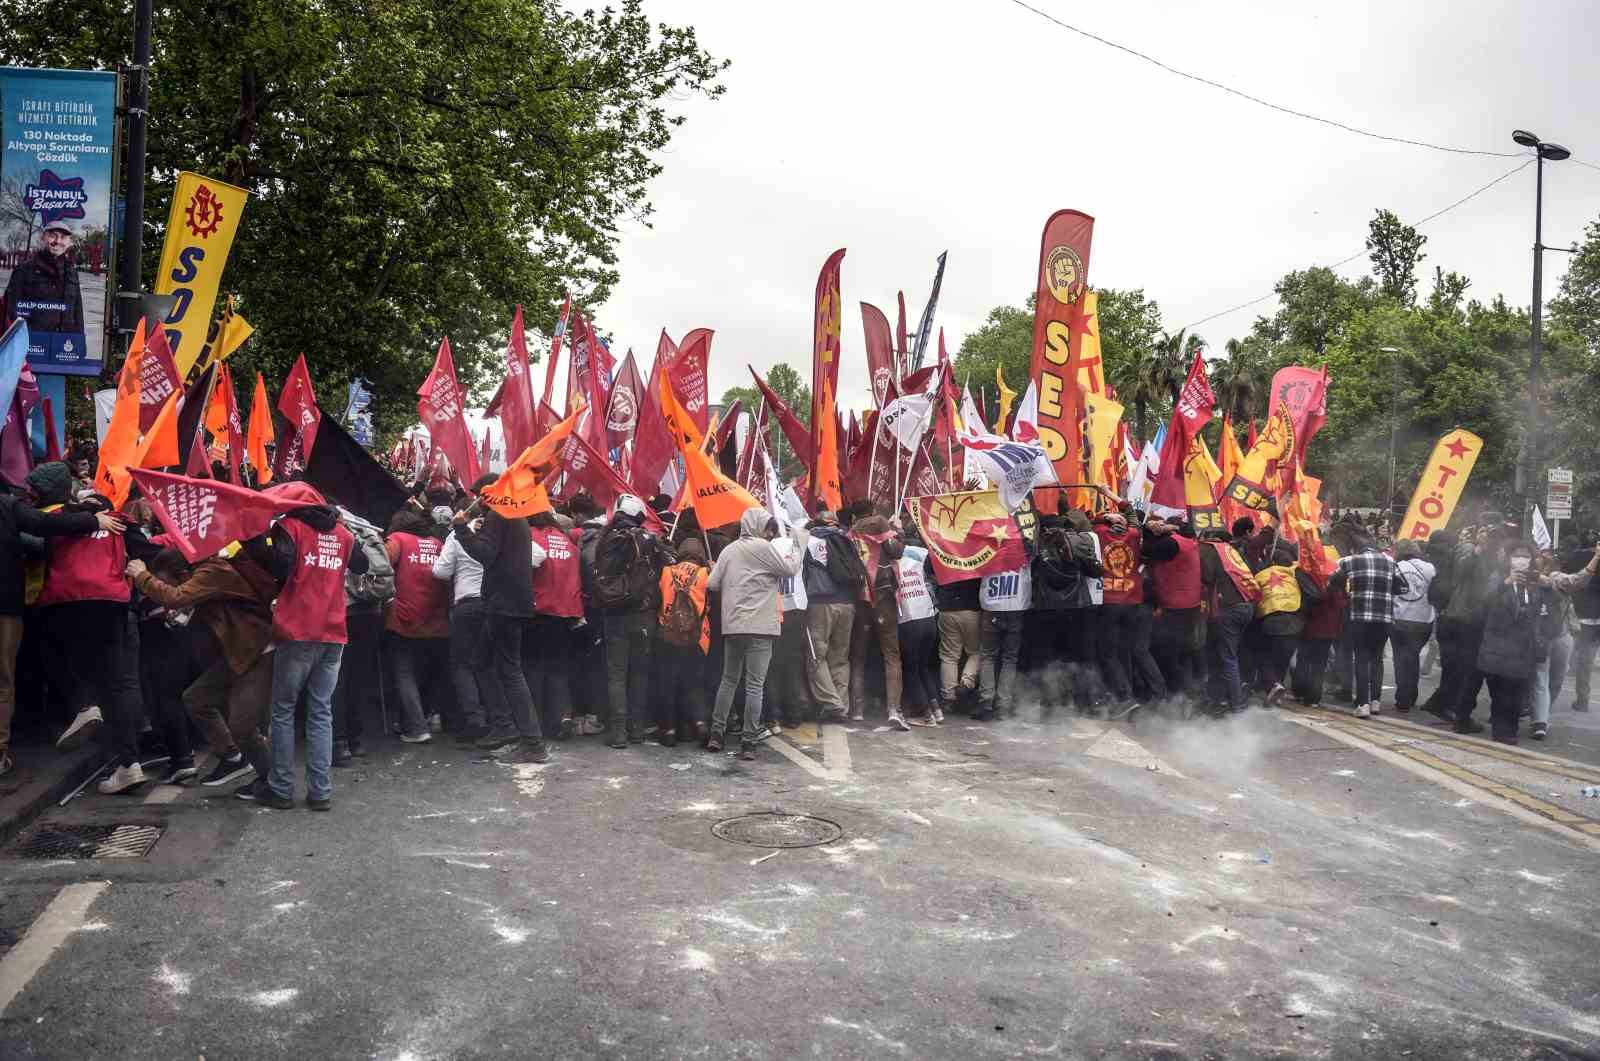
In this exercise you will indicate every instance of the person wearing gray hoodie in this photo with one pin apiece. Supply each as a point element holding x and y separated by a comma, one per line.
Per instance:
<point>746,575</point>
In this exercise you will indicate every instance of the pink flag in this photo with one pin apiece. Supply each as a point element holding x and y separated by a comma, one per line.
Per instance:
<point>52,444</point>
<point>688,375</point>
<point>516,407</point>
<point>158,377</point>
<point>298,405</point>
<point>204,515</point>
<point>1193,411</point>
<point>587,468</point>
<point>880,351</point>
<point>16,451</point>
<point>442,406</point>
<point>653,448</point>
<point>622,414</point>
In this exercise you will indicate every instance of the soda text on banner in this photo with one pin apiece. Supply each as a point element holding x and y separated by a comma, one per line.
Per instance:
<point>200,228</point>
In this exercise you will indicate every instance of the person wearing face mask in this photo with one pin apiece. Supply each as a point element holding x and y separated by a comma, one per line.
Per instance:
<point>1514,639</point>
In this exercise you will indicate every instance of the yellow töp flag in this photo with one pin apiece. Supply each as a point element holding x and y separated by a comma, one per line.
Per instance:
<point>1444,477</point>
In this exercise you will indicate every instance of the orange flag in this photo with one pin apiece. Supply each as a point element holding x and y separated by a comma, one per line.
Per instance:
<point>156,449</point>
<point>122,434</point>
<point>717,499</point>
<point>520,490</point>
<point>828,491</point>
<point>260,432</point>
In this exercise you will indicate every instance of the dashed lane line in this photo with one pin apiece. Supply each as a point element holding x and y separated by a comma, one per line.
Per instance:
<point>55,926</point>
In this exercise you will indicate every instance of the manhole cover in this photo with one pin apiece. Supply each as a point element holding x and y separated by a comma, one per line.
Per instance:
<point>778,830</point>
<point>89,841</point>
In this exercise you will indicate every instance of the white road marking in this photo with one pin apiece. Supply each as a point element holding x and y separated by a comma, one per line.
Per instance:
<point>782,746</point>
<point>60,920</point>
<point>836,751</point>
<point>1120,748</point>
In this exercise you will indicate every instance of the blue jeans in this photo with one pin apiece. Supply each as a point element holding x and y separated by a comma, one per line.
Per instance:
<point>314,667</point>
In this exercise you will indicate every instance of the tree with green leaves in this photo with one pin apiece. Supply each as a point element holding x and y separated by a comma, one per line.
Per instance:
<point>1396,250</point>
<point>786,384</point>
<point>414,169</point>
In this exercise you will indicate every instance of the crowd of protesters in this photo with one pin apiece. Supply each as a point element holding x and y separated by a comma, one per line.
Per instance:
<point>631,625</point>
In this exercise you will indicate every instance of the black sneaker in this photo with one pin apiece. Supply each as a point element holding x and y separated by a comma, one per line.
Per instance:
<point>567,731</point>
<point>246,792</point>
<point>983,714</point>
<point>319,804</point>
<point>496,738</point>
<point>271,799</point>
<point>341,753</point>
<point>1541,730</point>
<point>227,770</point>
<point>1469,726</point>
<point>471,735</point>
<point>747,751</point>
<point>358,749</point>
<point>181,773</point>
<point>529,752</point>
<point>669,739</point>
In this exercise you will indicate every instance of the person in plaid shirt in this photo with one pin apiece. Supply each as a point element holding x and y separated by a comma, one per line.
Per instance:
<point>1371,579</point>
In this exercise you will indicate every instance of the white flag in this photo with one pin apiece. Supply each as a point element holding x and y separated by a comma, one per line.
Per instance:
<point>972,468</point>
<point>1541,532</point>
<point>1143,474</point>
<point>1025,426</point>
<point>792,507</point>
<point>906,418</point>
<point>1014,467</point>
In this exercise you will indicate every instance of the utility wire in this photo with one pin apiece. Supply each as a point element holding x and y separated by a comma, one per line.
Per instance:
<point>1345,261</point>
<point>1263,102</point>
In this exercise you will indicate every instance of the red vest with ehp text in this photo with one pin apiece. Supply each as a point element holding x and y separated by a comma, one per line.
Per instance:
<point>311,604</point>
<point>1177,581</point>
<point>85,567</point>
<point>421,605</point>
<point>558,582</point>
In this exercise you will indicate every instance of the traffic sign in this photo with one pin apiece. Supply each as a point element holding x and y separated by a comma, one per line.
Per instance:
<point>1561,475</point>
<point>1558,495</point>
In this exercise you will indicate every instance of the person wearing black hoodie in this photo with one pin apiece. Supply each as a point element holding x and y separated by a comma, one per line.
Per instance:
<point>504,546</point>
<point>627,577</point>
<point>16,519</point>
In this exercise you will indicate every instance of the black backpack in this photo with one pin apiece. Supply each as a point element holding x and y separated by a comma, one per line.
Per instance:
<point>1054,565</point>
<point>624,579</point>
<point>844,567</point>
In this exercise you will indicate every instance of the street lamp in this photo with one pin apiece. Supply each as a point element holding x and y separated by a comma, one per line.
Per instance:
<point>1394,417</point>
<point>1543,152</point>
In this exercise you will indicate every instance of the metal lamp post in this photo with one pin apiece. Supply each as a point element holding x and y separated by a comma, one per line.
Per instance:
<point>1394,419</point>
<point>1543,151</point>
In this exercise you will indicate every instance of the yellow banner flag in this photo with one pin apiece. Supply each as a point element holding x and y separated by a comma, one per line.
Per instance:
<point>200,228</point>
<point>1101,436</point>
<point>1200,478</point>
<point>1007,396</point>
<point>1255,483</point>
<point>227,334</point>
<point>1091,367</point>
<point>1444,477</point>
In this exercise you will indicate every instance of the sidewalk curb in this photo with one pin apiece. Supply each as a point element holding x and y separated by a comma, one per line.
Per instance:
<point>19,809</point>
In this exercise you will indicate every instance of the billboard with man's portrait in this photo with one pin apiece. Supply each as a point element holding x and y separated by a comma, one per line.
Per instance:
<point>59,132</point>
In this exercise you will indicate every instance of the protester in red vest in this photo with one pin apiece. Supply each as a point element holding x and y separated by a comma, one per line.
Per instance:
<point>548,641</point>
<point>1172,558</point>
<point>1126,620</point>
<point>308,550</point>
<point>417,622</point>
<point>18,518</point>
<point>84,602</point>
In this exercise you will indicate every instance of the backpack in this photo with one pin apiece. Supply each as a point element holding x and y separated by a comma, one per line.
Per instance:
<point>681,621</point>
<point>844,566</point>
<point>623,579</point>
<point>1054,565</point>
<point>376,584</point>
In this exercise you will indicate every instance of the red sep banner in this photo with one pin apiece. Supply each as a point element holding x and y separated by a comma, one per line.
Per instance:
<point>1058,314</point>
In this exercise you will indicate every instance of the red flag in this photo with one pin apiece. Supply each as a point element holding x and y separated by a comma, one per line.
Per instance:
<point>52,444</point>
<point>222,420</point>
<point>622,414</point>
<point>158,377</point>
<point>1057,316</point>
<point>652,445</point>
<point>484,452</point>
<point>880,352</point>
<point>16,450</point>
<point>968,534</point>
<point>516,404</point>
<point>555,352</point>
<point>1304,392</point>
<point>754,442</point>
<point>825,319</point>
<point>1193,411</point>
<point>799,438</point>
<point>197,464</point>
<point>589,469</point>
<point>688,374</point>
<point>442,407</point>
<point>584,378</point>
<point>298,404</point>
<point>900,327</point>
<point>203,516</point>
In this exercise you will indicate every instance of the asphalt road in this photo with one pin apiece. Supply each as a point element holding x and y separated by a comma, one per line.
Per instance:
<point>1283,884</point>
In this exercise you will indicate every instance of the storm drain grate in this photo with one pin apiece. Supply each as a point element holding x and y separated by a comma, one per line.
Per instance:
<point>778,830</point>
<point>89,841</point>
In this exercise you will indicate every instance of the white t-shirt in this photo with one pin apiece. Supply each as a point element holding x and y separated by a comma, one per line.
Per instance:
<point>911,586</point>
<point>1412,606</point>
<point>793,590</point>
<point>1009,591</point>
<point>1097,586</point>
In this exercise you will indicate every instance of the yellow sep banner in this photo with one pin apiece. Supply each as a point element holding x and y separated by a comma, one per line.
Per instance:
<point>1444,477</point>
<point>200,228</point>
<point>1103,417</point>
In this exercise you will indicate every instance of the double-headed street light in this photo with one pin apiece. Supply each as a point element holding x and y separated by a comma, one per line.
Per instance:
<point>1543,152</point>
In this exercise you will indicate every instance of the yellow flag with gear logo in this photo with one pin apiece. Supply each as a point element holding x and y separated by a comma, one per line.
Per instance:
<point>200,228</point>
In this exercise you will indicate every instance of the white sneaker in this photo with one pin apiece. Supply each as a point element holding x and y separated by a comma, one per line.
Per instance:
<point>590,725</point>
<point>1275,697</point>
<point>122,779</point>
<point>1363,710</point>
<point>858,717</point>
<point>86,725</point>
<point>898,721</point>
<point>420,738</point>
<point>435,724</point>
<point>1375,705</point>
<point>938,717</point>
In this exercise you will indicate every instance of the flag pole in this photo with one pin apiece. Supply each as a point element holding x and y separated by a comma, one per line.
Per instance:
<point>755,430</point>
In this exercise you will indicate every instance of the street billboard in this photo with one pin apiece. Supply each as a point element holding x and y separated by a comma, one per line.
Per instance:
<point>59,130</point>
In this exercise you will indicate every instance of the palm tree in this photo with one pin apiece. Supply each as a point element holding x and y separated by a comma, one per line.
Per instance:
<point>1147,379</point>
<point>1240,381</point>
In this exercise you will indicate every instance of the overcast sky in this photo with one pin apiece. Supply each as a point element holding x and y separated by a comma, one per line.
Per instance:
<point>901,129</point>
